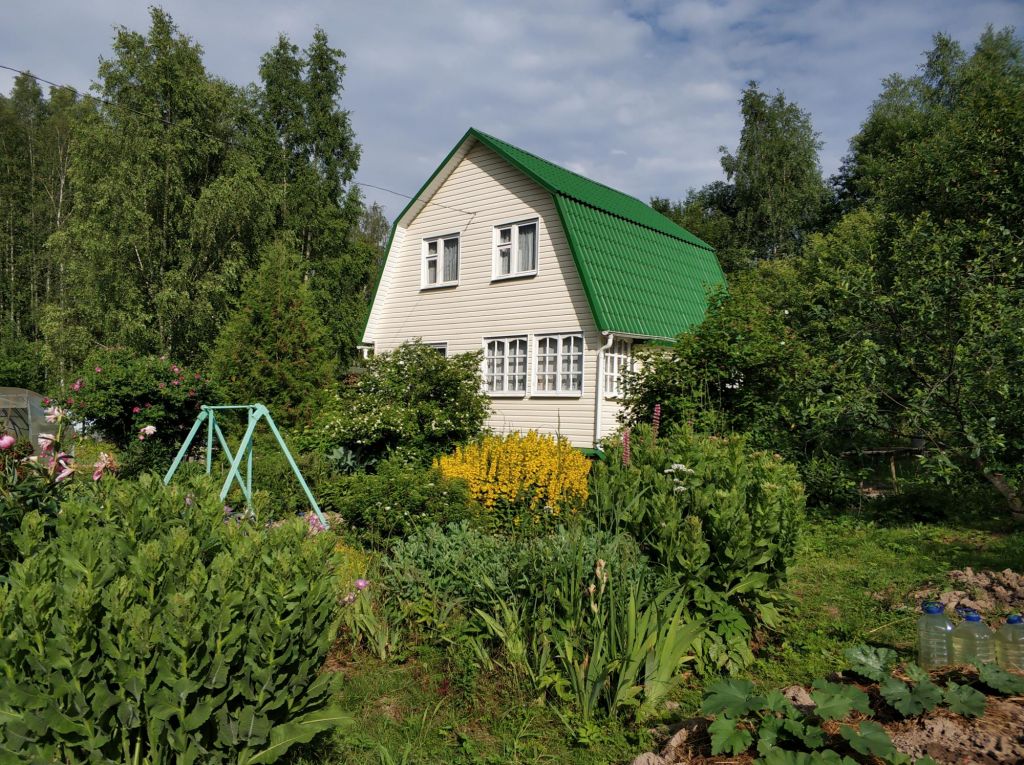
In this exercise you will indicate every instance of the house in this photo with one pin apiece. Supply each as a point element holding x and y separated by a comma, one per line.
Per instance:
<point>556,278</point>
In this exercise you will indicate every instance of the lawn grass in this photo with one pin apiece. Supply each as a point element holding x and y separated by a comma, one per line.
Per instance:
<point>850,584</point>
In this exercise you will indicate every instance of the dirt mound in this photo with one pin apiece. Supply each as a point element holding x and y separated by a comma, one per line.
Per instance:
<point>987,592</point>
<point>998,737</point>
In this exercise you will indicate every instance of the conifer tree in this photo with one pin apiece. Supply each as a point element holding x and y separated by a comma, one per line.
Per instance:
<point>274,350</point>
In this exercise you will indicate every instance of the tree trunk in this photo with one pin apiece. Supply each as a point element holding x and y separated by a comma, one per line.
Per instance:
<point>1013,500</point>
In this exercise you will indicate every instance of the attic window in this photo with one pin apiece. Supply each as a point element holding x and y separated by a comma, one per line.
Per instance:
<point>515,249</point>
<point>441,261</point>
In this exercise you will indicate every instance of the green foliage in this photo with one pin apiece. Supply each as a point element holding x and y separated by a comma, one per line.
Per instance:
<point>871,662</point>
<point>998,679</point>
<point>964,700</point>
<point>396,500</point>
<point>21,362</point>
<point>728,738</point>
<point>412,401</point>
<point>835,702</point>
<point>168,633</point>
<point>274,349</point>
<point>774,195</point>
<point>118,392</point>
<point>718,519</point>
<point>870,739</point>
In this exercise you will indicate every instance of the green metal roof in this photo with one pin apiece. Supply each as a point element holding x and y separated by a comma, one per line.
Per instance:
<point>643,275</point>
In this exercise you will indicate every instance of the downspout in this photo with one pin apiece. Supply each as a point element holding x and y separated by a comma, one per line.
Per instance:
<point>598,385</point>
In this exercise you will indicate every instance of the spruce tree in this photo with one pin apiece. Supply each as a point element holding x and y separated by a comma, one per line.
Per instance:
<point>274,350</point>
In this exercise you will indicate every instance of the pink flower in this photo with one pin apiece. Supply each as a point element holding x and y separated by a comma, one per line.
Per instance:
<point>175,369</point>
<point>362,584</point>
<point>55,413</point>
<point>142,437</point>
<point>6,441</point>
<point>625,447</point>
<point>161,385</point>
<point>191,393</point>
<point>136,409</point>
<point>148,405</point>
<point>175,382</point>
<point>46,442</point>
<point>67,467</point>
<point>197,375</point>
<point>46,402</point>
<point>104,463</point>
<point>70,400</point>
<point>656,421</point>
<point>77,385</point>
<point>148,430</point>
<point>99,369</point>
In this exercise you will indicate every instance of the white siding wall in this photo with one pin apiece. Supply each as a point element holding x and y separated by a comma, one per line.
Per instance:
<point>492,193</point>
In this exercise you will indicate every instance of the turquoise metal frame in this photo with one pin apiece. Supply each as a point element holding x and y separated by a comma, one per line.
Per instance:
<point>254,413</point>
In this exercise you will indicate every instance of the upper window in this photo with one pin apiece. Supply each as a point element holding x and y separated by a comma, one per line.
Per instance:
<point>617,360</point>
<point>441,261</point>
<point>515,249</point>
<point>559,365</point>
<point>505,365</point>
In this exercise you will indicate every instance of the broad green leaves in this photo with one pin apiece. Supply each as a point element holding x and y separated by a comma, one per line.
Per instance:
<point>835,701</point>
<point>871,662</point>
<point>909,699</point>
<point>869,738</point>
<point>1000,680</point>
<point>965,700</point>
<point>728,737</point>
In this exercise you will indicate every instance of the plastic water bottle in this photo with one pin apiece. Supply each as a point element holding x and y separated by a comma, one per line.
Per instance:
<point>973,642</point>
<point>1010,643</point>
<point>934,646</point>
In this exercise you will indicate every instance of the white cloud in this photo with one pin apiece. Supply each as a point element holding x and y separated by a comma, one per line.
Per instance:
<point>639,94</point>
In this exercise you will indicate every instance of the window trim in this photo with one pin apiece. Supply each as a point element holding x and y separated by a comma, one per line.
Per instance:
<point>438,345</point>
<point>515,394</point>
<point>496,276</point>
<point>627,357</point>
<point>559,393</point>
<point>424,245</point>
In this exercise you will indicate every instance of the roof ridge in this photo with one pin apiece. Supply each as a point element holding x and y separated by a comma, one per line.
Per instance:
<point>689,238</point>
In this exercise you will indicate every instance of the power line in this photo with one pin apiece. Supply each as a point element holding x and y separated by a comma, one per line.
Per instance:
<point>169,123</point>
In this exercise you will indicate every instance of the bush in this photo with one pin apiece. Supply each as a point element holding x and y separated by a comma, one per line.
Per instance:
<point>397,499</point>
<point>118,393</point>
<point>412,401</point>
<point>149,629</point>
<point>717,518</point>
<point>532,481</point>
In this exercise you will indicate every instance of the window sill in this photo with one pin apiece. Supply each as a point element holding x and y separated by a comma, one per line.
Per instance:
<point>513,277</point>
<point>505,395</point>
<point>550,394</point>
<point>442,286</point>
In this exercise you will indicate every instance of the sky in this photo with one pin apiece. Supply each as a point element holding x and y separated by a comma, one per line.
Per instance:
<point>636,94</point>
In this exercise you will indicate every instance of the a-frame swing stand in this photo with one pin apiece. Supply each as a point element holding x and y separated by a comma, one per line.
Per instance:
<point>255,413</point>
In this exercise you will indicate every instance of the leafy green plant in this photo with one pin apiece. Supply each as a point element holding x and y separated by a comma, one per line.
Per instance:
<point>964,700</point>
<point>871,662</point>
<point>396,500</point>
<point>412,401</point>
<point>119,394</point>
<point>168,632</point>
<point>718,518</point>
<point>998,679</point>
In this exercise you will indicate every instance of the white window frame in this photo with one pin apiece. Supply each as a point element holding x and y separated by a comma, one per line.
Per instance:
<point>617,359</point>
<point>441,346</point>
<point>512,245</point>
<point>540,361</point>
<point>489,376</point>
<point>438,256</point>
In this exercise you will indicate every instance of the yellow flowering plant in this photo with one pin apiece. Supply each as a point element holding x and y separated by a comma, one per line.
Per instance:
<point>521,479</point>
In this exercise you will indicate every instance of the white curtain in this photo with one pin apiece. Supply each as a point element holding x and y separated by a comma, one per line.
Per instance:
<point>451,260</point>
<point>527,247</point>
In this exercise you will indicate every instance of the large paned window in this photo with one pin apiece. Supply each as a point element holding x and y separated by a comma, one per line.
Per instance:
<point>559,365</point>
<point>617,360</point>
<point>515,249</point>
<point>505,365</point>
<point>441,261</point>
